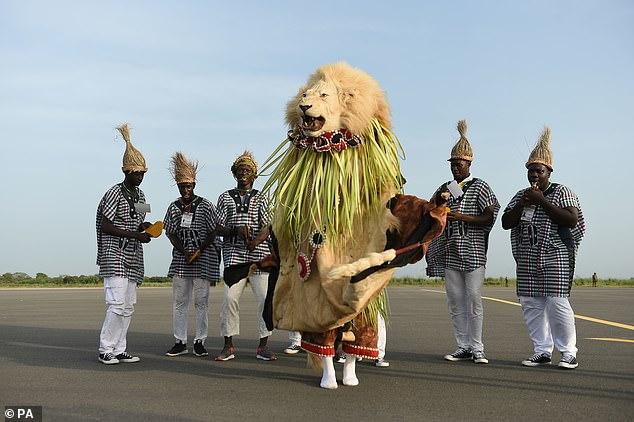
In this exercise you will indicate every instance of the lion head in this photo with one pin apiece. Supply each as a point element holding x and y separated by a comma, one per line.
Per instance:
<point>337,96</point>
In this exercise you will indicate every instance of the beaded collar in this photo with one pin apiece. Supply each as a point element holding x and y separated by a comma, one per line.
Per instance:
<point>336,140</point>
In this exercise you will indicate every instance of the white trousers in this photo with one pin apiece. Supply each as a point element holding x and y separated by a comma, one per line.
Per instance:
<point>464,300</point>
<point>295,337</point>
<point>230,309</point>
<point>550,322</point>
<point>182,289</point>
<point>381,337</point>
<point>120,297</point>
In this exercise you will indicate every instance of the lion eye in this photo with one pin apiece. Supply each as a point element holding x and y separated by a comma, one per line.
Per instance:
<point>304,95</point>
<point>324,95</point>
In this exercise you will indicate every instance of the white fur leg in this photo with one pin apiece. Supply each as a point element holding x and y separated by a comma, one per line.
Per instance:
<point>328,379</point>
<point>370,260</point>
<point>349,373</point>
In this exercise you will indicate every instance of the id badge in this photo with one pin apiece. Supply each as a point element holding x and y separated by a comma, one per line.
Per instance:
<point>527,213</point>
<point>455,189</point>
<point>186,219</point>
<point>142,208</point>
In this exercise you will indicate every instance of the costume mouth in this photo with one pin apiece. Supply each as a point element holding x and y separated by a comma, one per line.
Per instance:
<point>312,124</point>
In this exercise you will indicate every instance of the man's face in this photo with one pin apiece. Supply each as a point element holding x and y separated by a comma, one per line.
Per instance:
<point>538,174</point>
<point>186,190</point>
<point>244,175</point>
<point>134,178</point>
<point>460,169</point>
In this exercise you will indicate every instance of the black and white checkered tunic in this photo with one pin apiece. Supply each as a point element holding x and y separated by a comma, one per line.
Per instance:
<point>204,222</point>
<point>118,256</point>
<point>233,211</point>
<point>545,264</point>
<point>463,246</point>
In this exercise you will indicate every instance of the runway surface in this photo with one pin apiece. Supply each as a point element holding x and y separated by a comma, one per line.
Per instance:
<point>48,347</point>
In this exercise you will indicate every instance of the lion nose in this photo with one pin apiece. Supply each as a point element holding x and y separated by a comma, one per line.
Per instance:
<point>305,107</point>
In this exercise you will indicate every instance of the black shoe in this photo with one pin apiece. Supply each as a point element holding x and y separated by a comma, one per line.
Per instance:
<point>460,354</point>
<point>537,359</point>
<point>179,348</point>
<point>293,349</point>
<point>199,348</point>
<point>125,357</point>
<point>568,362</point>
<point>480,357</point>
<point>108,359</point>
<point>339,358</point>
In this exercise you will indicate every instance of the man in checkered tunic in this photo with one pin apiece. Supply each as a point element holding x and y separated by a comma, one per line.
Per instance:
<point>547,226</point>
<point>243,221</point>
<point>459,255</point>
<point>120,224</point>
<point>190,224</point>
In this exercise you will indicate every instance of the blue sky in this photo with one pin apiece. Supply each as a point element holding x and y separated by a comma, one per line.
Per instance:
<point>212,79</point>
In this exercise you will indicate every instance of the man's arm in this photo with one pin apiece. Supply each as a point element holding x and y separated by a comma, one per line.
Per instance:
<point>108,227</point>
<point>484,219</point>
<point>261,237</point>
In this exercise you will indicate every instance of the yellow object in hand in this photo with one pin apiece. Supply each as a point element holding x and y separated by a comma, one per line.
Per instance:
<point>155,229</point>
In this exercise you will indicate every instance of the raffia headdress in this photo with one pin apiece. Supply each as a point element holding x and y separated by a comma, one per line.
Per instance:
<point>541,153</point>
<point>462,150</point>
<point>182,169</point>
<point>133,160</point>
<point>245,159</point>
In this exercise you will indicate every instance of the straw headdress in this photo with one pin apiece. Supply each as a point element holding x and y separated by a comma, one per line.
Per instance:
<point>132,158</point>
<point>182,169</point>
<point>541,153</point>
<point>245,159</point>
<point>462,150</point>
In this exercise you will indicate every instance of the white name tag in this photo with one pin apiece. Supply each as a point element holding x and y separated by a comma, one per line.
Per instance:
<point>186,219</point>
<point>528,212</point>
<point>142,208</point>
<point>455,189</point>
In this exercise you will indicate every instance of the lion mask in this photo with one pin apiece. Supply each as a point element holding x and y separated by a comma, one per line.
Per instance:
<point>337,96</point>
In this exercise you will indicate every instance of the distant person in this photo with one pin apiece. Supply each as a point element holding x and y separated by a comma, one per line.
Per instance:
<point>594,279</point>
<point>190,225</point>
<point>460,254</point>
<point>547,226</point>
<point>120,224</point>
<point>243,222</point>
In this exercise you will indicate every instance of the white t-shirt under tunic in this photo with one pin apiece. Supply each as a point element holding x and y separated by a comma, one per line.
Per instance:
<point>119,256</point>
<point>203,223</point>
<point>545,252</point>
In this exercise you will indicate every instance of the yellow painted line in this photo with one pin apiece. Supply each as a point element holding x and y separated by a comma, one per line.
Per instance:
<point>618,340</point>
<point>582,317</point>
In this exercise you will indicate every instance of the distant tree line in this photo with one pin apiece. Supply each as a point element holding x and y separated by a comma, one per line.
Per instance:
<point>41,279</point>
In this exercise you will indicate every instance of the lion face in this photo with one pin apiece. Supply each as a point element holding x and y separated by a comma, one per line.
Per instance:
<point>319,109</point>
<point>337,96</point>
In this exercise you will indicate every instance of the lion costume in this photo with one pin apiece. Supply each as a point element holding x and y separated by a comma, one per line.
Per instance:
<point>339,216</point>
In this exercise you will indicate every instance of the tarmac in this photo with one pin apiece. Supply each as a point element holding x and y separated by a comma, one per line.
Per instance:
<point>48,358</point>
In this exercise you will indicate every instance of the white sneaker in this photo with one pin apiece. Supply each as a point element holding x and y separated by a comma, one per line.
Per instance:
<point>293,349</point>
<point>381,363</point>
<point>108,359</point>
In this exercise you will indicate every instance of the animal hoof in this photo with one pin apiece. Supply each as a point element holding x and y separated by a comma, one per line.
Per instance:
<point>351,382</point>
<point>328,385</point>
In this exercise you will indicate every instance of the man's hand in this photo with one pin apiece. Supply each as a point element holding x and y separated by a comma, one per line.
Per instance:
<point>455,215</point>
<point>244,233</point>
<point>533,197</point>
<point>193,256</point>
<point>144,226</point>
<point>143,237</point>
